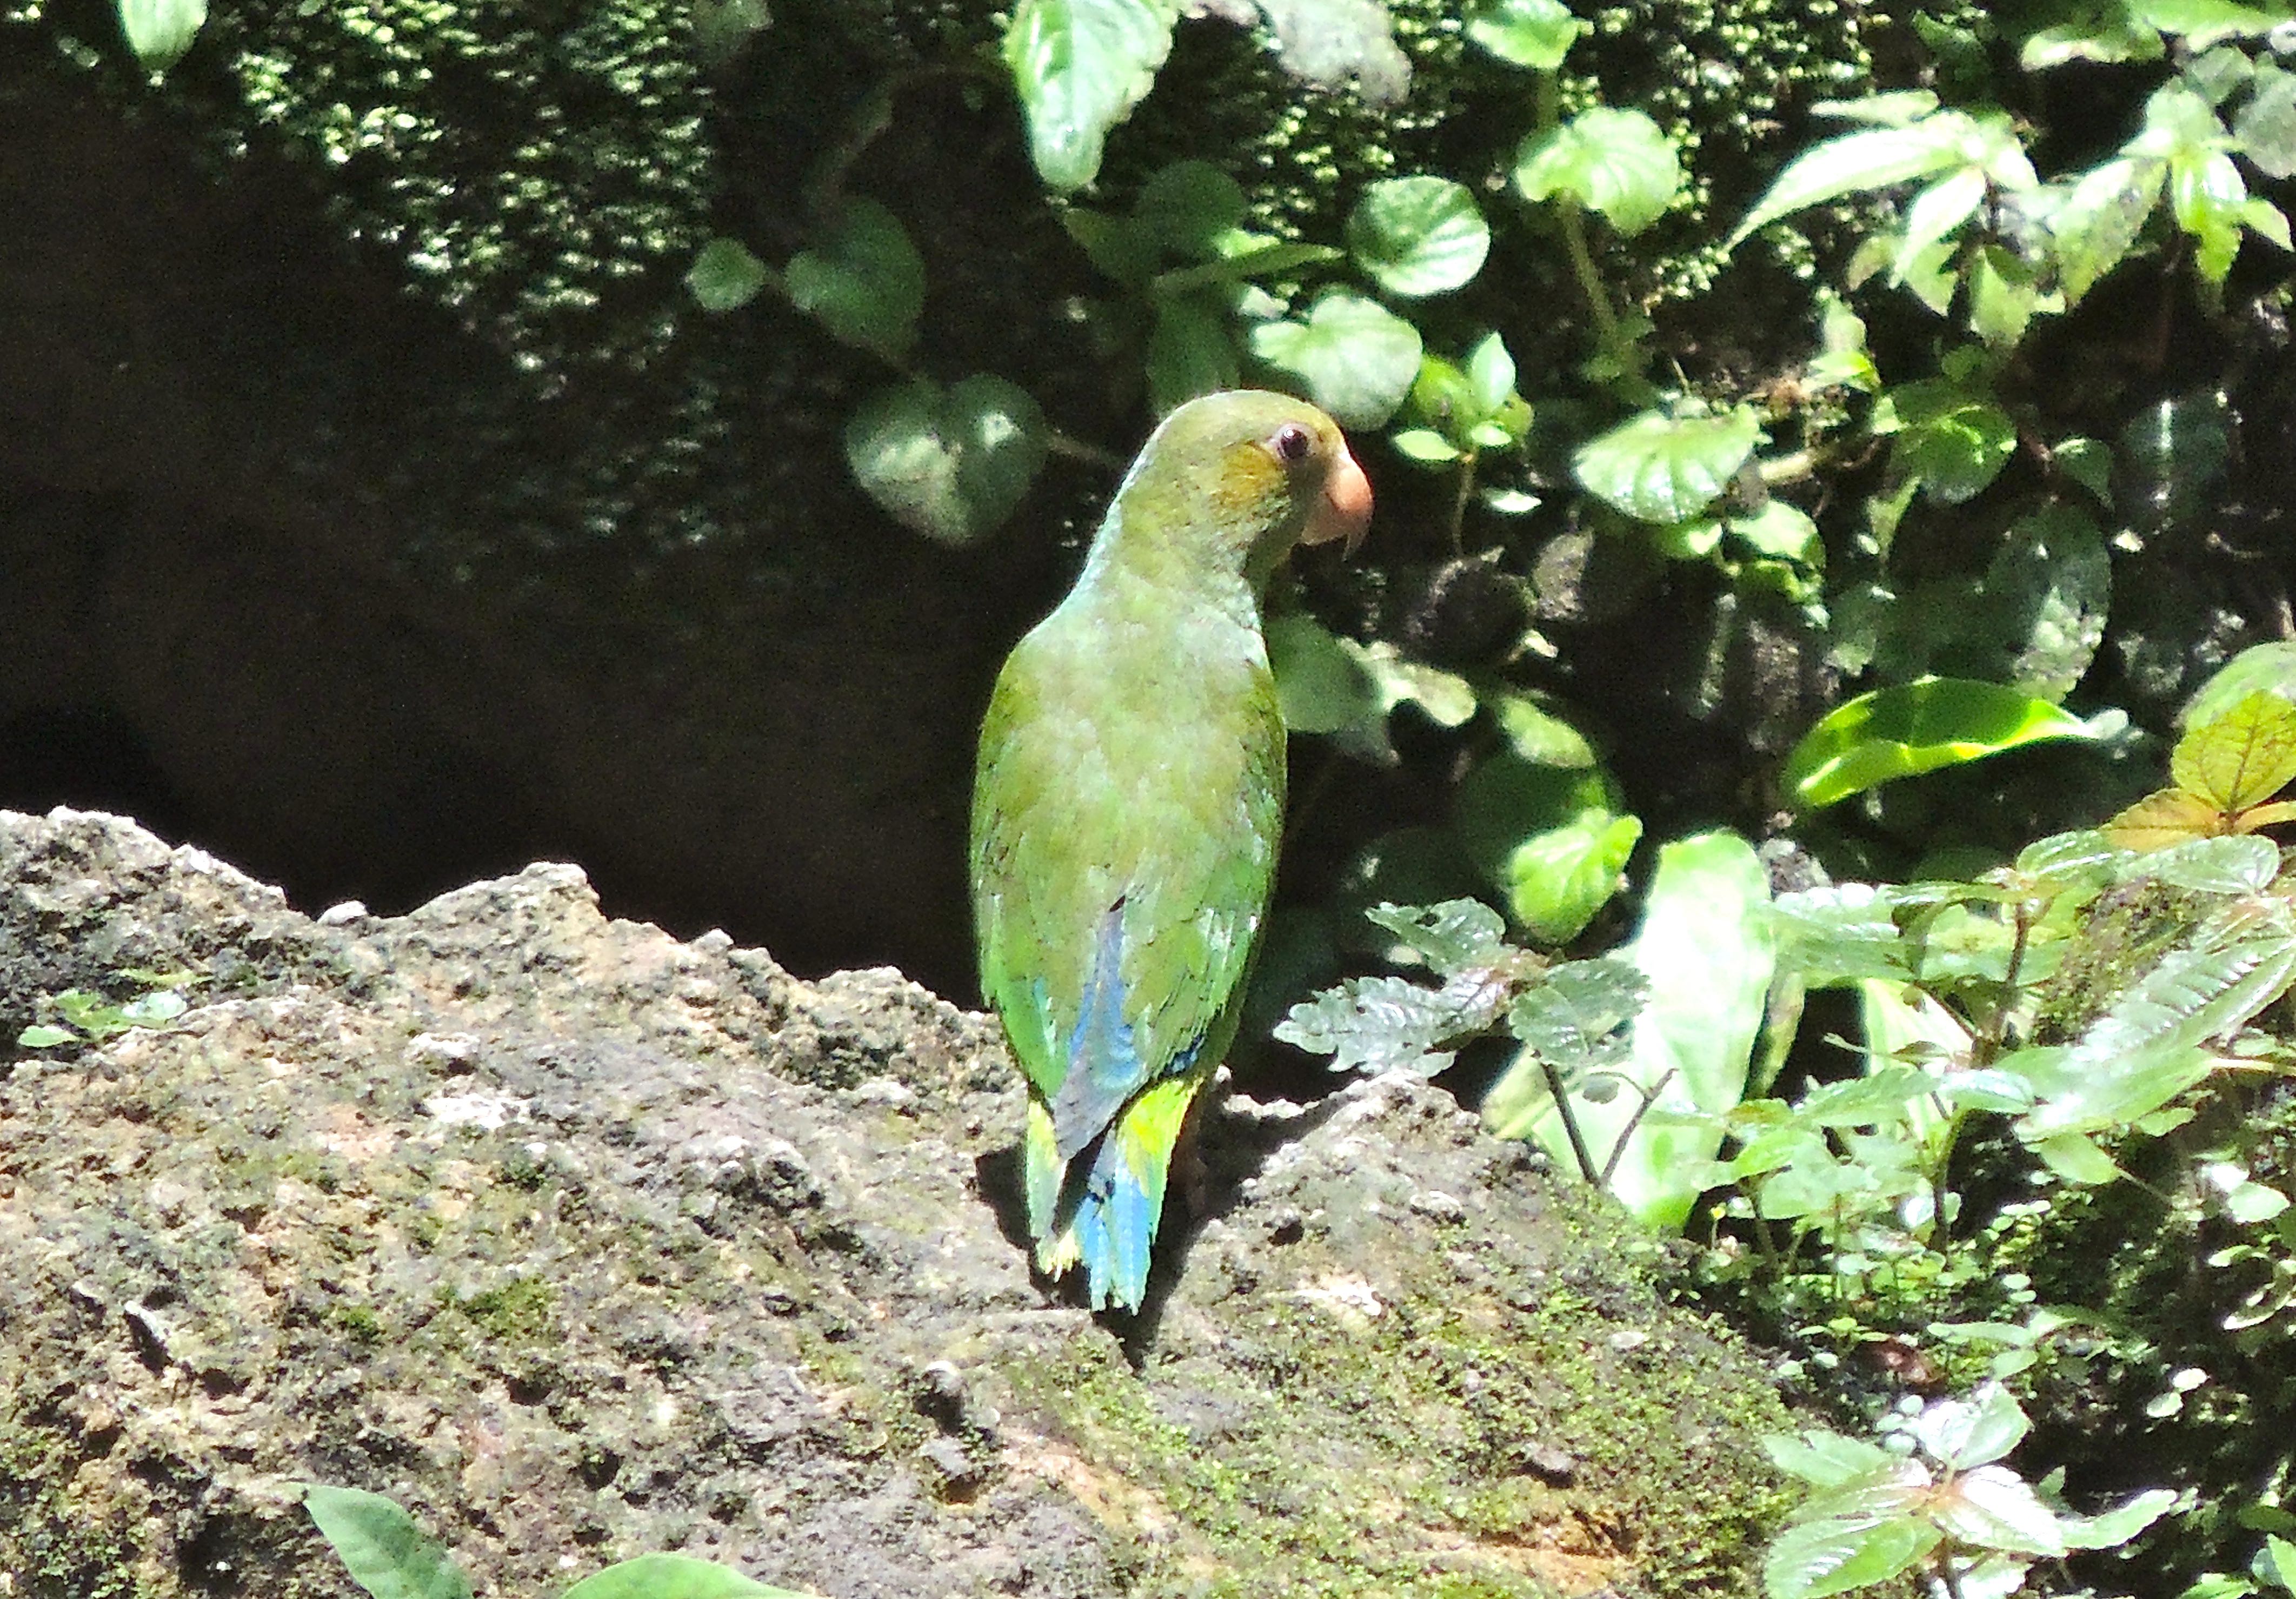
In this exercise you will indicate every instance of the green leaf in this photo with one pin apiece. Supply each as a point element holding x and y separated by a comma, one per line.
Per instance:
<point>1424,446</point>
<point>1618,163</point>
<point>949,464</point>
<point>2240,758</point>
<point>1832,1555</point>
<point>1916,727</point>
<point>1490,374</point>
<point>2047,590</point>
<point>1951,439</point>
<point>159,31</point>
<point>1937,211</point>
<point>1842,933</point>
<point>1322,685</point>
<point>1556,880</point>
<point>2004,296</point>
<point>1992,1507</point>
<point>1975,1431</point>
<point>1856,163</point>
<point>2265,123</point>
<point>1079,67</point>
<point>1190,352</point>
<point>2202,23</point>
<point>1537,34</point>
<point>1577,1020</point>
<point>2088,463</point>
<point>1706,949</point>
<point>2244,865</point>
<point>2075,1159</point>
<point>725,275</point>
<point>865,281</point>
<point>382,1547</point>
<point>2269,668</point>
<point>1664,469</point>
<point>2100,217</point>
<point>1378,1024</point>
<point>674,1577</point>
<point>1824,1458</point>
<point>1186,208</point>
<point>2114,1528</point>
<point>47,1038</point>
<point>1418,235</point>
<point>2197,993</point>
<point>1782,531</point>
<point>1353,355</point>
<point>1455,937</point>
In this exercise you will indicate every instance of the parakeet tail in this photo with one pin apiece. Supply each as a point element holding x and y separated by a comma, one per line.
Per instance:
<point>1111,1212</point>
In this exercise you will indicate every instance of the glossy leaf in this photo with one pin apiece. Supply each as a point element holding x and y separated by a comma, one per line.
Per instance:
<point>1835,1554</point>
<point>674,1577</point>
<point>1352,355</point>
<point>2162,820</point>
<point>724,275</point>
<point>1825,1459</point>
<point>1418,235</point>
<point>382,1547</point>
<point>1556,880</point>
<point>1992,1507</point>
<point>1858,163</point>
<point>1666,468</point>
<point>159,31</point>
<point>865,280</point>
<point>1617,163</point>
<point>1537,34</point>
<point>949,464</point>
<point>1079,67</point>
<point>1917,728</point>
<point>2245,864</point>
<point>1961,1433</point>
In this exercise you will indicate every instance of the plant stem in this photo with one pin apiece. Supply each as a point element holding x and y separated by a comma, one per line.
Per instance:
<point>1570,1120</point>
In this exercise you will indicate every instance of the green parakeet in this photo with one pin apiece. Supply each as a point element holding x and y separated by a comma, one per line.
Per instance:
<point>1127,809</point>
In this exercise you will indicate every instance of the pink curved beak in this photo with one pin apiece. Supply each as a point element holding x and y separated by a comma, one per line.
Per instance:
<point>1346,510</point>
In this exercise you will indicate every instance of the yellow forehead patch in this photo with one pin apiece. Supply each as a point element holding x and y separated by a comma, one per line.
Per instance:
<point>1247,476</point>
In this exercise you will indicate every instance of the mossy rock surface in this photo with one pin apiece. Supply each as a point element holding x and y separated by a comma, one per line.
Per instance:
<point>581,1242</point>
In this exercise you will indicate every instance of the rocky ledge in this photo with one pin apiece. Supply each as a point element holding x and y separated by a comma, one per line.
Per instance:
<point>581,1242</point>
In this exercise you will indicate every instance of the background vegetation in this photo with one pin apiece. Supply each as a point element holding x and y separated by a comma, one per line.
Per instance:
<point>1832,460</point>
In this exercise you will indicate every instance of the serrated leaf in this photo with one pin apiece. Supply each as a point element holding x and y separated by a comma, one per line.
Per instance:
<point>1455,936</point>
<point>1378,1024</point>
<point>2240,758</point>
<point>1079,67</point>
<point>724,275</point>
<point>949,464</point>
<point>1577,1018</point>
<point>1880,1096</point>
<point>1617,163</point>
<point>1416,236</point>
<point>1917,728</point>
<point>2048,590</point>
<point>2169,818</point>
<point>1537,34</point>
<point>2213,865</point>
<point>2195,994</point>
<point>1858,163</point>
<point>674,1577</point>
<point>159,31</point>
<point>864,280</point>
<point>382,1547</point>
<point>1352,355</point>
<point>1992,1507</point>
<point>2265,123</point>
<point>1665,469</point>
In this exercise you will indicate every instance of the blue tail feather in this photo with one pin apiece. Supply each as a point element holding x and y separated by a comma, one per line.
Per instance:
<point>1115,1229</point>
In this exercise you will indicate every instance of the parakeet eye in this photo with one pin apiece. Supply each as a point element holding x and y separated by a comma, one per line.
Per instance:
<point>1291,443</point>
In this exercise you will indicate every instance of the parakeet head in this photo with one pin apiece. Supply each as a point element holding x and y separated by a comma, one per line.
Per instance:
<point>1231,481</point>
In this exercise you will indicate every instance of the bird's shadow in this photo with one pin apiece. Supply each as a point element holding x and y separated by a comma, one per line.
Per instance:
<point>1219,1151</point>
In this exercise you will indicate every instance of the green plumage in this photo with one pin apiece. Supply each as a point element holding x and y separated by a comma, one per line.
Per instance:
<point>1127,809</point>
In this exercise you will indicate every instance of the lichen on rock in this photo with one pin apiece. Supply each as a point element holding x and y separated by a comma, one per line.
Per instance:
<point>581,1242</point>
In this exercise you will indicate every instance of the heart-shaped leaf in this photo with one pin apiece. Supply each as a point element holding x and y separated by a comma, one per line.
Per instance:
<point>951,464</point>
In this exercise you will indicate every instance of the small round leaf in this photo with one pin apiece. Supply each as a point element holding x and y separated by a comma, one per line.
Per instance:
<point>726,276</point>
<point>950,463</point>
<point>1666,468</point>
<point>1616,162</point>
<point>1537,34</point>
<point>1418,235</point>
<point>1353,355</point>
